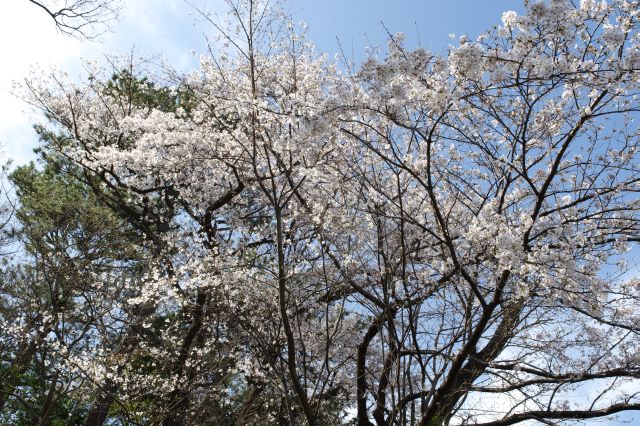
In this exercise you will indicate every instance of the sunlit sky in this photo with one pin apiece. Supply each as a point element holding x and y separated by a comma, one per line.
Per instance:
<point>169,27</point>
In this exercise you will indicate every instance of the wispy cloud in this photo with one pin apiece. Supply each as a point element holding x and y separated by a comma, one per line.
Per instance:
<point>30,37</point>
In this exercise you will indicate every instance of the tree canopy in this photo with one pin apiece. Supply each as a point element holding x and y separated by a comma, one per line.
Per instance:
<point>271,239</point>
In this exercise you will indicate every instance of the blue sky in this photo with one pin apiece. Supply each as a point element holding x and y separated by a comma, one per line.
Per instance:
<point>358,22</point>
<point>167,27</point>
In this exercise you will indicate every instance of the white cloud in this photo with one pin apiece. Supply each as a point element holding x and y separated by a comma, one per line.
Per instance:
<point>30,37</point>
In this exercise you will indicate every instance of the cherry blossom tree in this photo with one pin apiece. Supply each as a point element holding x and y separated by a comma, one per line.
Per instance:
<point>434,239</point>
<point>68,240</point>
